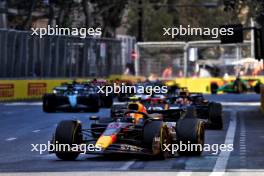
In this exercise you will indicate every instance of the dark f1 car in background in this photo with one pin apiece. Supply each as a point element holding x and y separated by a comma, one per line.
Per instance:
<point>135,132</point>
<point>76,96</point>
<point>72,97</point>
<point>142,90</point>
<point>210,112</point>
<point>106,101</point>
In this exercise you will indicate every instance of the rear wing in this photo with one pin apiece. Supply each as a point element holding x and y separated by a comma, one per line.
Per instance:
<point>169,115</point>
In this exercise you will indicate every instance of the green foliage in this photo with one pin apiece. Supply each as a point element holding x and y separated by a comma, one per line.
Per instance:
<point>106,14</point>
<point>162,19</point>
<point>154,19</point>
<point>172,13</point>
<point>111,12</point>
<point>157,14</point>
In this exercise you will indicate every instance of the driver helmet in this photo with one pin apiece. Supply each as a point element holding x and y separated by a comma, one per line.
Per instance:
<point>139,108</point>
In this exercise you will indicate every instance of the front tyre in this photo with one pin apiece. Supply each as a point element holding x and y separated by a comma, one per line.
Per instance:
<point>68,132</point>
<point>190,132</point>
<point>155,135</point>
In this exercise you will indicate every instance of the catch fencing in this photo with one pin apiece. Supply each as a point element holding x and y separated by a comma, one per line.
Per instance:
<point>25,56</point>
<point>197,59</point>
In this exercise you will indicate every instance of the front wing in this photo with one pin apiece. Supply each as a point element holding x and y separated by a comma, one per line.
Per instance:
<point>123,149</point>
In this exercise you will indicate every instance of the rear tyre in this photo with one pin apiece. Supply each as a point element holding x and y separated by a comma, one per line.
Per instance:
<point>190,131</point>
<point>48,103</point>
<point>107,101</point>
<point>215,120</point>
<point>257,88</point>
<point>95,106</point>
<point>214,88</point>
<point>94,109</point>
<point>68,132</point>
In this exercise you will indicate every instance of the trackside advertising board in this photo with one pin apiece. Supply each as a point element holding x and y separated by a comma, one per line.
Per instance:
<point>34,89</point>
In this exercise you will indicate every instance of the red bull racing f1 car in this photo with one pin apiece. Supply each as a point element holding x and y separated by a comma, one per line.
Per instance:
<point>136,131</point>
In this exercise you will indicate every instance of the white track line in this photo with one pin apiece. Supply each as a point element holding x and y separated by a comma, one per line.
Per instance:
<point>127,165</point>
<point>107,173</point>
<point>222,160</point>
<point>8,113</point>
<point>242,145</point>
<point>11,139</point>
<point>240,103</point>
<point>23,104</point>
<point>247,171</point>
<point>184,173</point>
<point>36,131</point>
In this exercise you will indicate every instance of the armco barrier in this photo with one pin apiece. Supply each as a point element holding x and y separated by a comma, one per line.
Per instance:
<point>26,89</point>
<point>197,84</point>
<point>203,85</point>
<point>14,90</point>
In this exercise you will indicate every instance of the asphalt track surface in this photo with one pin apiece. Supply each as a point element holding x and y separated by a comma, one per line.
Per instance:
<point>23,124</point>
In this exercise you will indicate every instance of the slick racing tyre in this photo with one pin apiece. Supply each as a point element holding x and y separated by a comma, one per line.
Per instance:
<point>95,106</point>
<point>107,101</point>
<point>48,103</point>
<point>155,135</point>
<point>257,88</point>
<point>94,109</point>
<point>214,88</point>
<point>190,131</point>
<point>68,132</point>
<point>215,120</point>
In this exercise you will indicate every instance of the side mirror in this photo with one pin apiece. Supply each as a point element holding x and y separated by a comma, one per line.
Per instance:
<point>94,118</point>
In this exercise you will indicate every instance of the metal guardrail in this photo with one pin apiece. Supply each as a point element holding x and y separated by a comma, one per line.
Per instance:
<point>24,55</point>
